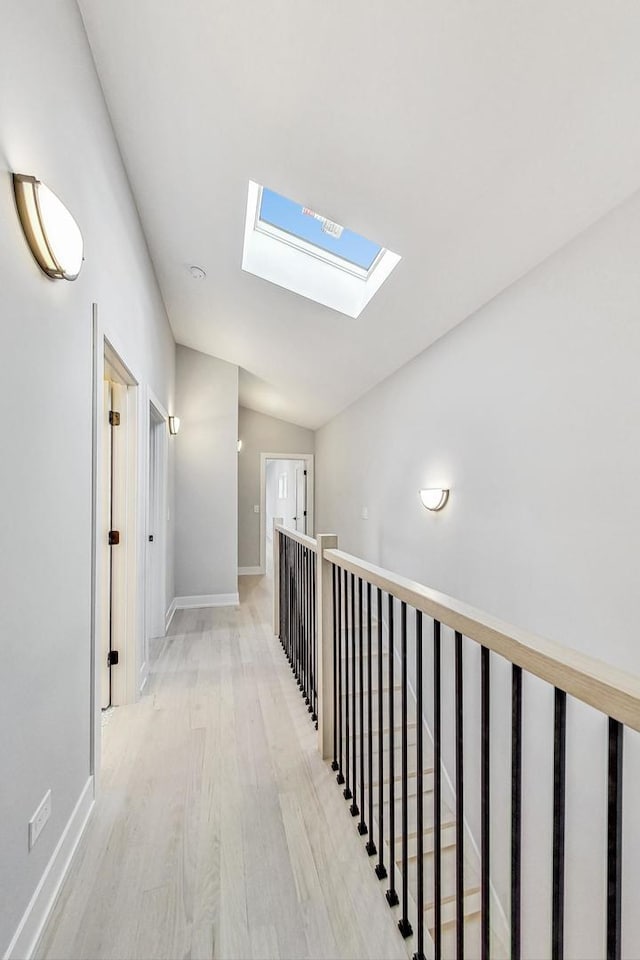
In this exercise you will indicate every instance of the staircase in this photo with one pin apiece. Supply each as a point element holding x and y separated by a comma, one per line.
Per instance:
<point>388,763</point>
<point>472,893</point>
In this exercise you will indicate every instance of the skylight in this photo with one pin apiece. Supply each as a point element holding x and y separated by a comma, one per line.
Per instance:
<point>296,248</point>
<point>305,224</point>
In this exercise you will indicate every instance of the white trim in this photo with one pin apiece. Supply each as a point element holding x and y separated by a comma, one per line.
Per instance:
<point>250,571</point>
<point>309,459</point>
<point>171,609</point>
<point>106,347</point>
<point>158,524</point>
<point>30,929</point>
<point>207,600</point>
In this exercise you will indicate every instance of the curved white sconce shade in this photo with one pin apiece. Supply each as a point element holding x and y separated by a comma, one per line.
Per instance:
<point>434,498</point>
<point>53,236</point>
<point>174,425</point>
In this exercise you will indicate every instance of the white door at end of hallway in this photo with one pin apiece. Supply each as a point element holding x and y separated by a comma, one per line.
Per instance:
<point>301,500</point>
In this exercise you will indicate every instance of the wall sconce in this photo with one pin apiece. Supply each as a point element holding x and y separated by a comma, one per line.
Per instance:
<point>434,498</point>
<point>239,445</point>
<point>53,236</point>
<point>174,425</point>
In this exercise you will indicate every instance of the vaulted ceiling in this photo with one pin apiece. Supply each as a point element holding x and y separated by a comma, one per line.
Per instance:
<point>474,139</point>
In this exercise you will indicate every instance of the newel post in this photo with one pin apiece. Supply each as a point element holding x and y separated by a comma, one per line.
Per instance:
<point>324,606</point>
<point>277,521</point>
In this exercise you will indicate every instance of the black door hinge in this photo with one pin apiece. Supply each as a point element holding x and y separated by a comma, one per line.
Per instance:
<point>305,513</point>
<point>305,473</point>
<point>112,658</point>
<point>114,538</point>
<point>114,418</point>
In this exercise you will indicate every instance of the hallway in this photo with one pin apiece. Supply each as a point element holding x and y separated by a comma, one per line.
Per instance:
<point>219,832</point>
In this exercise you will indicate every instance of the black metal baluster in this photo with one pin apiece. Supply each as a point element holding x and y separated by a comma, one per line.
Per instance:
<point>362,827</point>
<point>310,641</point>
<point>308,632</point>
<point>300,622</point>
<point>354,753</point>
<point>340,775</point>
<point>334,572</point>
<point>289,604</point>
<point>371,847</point>
<point>516,808</point>
<point>419,954</point>
<point>404,926</point>
<point>437,794</point>
<point>303,632</point>
<point>305,601</point>
<point>614,842</point>
<point>485,790</point>
<point>347,791</point>
<point>280,572</point>
<point>459,800</point>
<point>314,633</point>
<point>392,895</point>
<point>299,625</point>
<point>294,582</point>
<point>294,619</point>
<point>381,870</point>
<point>559,784</point>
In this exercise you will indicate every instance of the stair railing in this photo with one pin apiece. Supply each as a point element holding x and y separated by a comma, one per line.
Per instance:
<point>295,621</point>
<point>353,600</point>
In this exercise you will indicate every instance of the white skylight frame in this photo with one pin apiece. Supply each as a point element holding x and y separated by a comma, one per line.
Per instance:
<point>303,268</point>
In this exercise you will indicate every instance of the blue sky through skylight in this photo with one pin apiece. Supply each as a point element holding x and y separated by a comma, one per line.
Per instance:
<point>289,216</point>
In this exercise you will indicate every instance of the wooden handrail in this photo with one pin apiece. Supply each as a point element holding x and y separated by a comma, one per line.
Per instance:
<point>608,689</point>
<point>302,538</point>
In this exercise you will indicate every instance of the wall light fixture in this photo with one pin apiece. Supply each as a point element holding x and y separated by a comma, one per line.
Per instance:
<point>53,235</point>
<point>174,425</point>
<point>434,498</point>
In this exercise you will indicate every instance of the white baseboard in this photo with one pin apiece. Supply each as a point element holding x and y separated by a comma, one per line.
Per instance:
<point>169,615</point>
<point>250,571</point>
<point>207,600</point>
<point>37,913</point>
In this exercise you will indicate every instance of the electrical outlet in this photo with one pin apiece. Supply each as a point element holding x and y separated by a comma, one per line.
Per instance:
<point>39,819</point>
<point>364,513</point>
<point>256,508</point>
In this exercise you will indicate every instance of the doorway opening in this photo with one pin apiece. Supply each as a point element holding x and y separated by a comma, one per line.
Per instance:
<point>156,534</point>
<point>286,491</point>
<point>117,532</point>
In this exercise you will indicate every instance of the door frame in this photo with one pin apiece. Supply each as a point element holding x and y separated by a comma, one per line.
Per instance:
<point>154,406</point>
<point>105,346</point>
<point>309,460</point>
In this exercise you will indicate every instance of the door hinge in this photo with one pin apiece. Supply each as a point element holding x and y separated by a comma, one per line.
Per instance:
<point>305,473</point>
<point>112,658</point>
<point>114,538</point>
<point>305,513</point>
<point>114,418</point>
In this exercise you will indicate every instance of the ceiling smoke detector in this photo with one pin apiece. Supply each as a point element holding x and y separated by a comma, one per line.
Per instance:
<point>197,273</point>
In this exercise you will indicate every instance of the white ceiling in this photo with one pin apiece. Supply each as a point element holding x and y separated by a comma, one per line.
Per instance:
<point>473,138</point>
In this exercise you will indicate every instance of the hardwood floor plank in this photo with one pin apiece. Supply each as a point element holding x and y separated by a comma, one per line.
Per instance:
<point>219,831</point>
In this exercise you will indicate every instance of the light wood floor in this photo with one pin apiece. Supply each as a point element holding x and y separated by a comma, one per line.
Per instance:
<point>219,831</point>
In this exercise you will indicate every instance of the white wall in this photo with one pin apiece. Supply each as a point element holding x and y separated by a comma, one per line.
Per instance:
<point>206,479</point>
<point>53,123</point>
<point>529,411</point>
<point>260,434</point>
